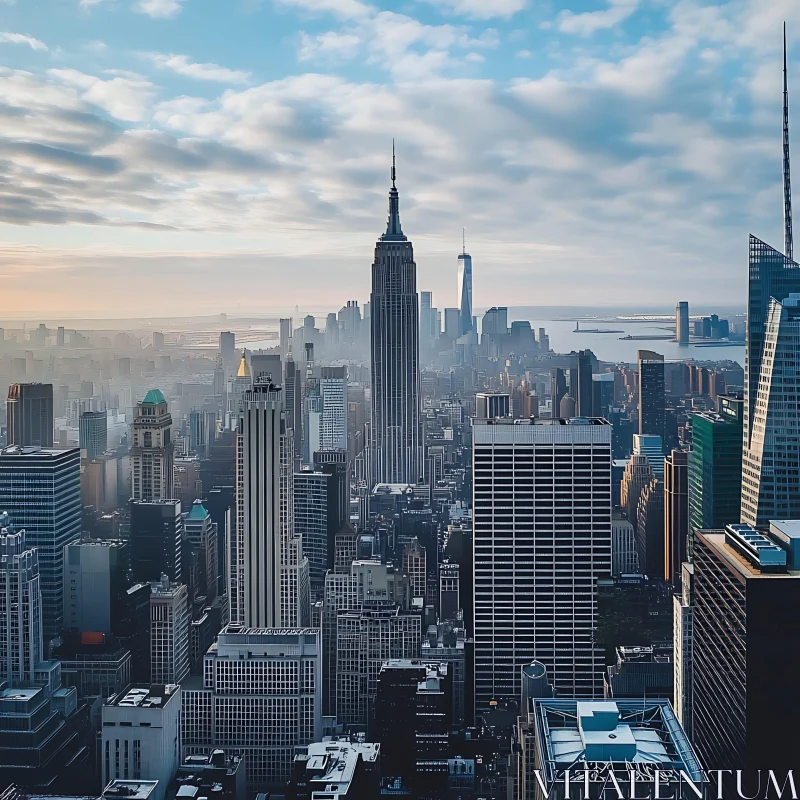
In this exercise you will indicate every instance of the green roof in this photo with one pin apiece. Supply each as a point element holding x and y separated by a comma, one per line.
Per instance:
<point>153,398</point>
<point>197,511</point>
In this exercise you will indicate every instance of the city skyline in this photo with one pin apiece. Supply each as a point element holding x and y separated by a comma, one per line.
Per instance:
<point>589,140</point>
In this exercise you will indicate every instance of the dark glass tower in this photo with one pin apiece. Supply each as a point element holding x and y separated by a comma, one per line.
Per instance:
<point>394,312</point>
<point>771,275</point>
<point>30,414</point>
<point>651,393</point>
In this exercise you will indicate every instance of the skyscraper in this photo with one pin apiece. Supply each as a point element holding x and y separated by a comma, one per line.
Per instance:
<point>93,434</point>
<point>746,647</point>
<point>682,323</point>
<point>581,384</point>
<point>169,631</point>
<point>394,313</point>
<point>771,275</point>
<point>715,466</point>
<point>41,491</point>
<point>262,696</point>
<point>770,470</point>
<point>153,451</point>
<point>676,514</point>
<point>268,572</point>
<point>155,540</point>
<point>311,522</point>
<point>21,646</point>
<point>29,411</point>
<point>465,289</point>
<point>541,541</point>
<point>651,392</point>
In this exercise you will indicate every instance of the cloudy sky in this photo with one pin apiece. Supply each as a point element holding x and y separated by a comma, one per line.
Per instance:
<point>197,156</point>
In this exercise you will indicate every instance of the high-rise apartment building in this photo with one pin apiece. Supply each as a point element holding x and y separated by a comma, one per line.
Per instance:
<point>682,322</point>
<point>152,450</point>
<point>21,645</point>
<point>262,696</point>
<point>93,434</point>
<point>465,291</point>
<point>715,466</point>
<point>227,349</point>
<point>396,447</point>
<point>651,393</point>
<point>29,414</point>
<point>542,539</point>
<point>40,489</point>
<point>269,583</point>
<point>676,514</point>
<point>770,468</point>
<point>746,648</point>
<point>169,631</point>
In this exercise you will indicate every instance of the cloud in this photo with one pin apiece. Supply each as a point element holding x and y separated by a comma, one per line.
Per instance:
<point>90,3</point>
<point>126,96</point>
<point>22,38</point>
<point>343,9</point>
<point>159,9</point>
<point>589,22</point>
<point>481,9</point>
<point>329,46</point>
<point>203,72</point>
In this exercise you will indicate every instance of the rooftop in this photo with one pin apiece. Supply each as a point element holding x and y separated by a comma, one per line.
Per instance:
<point>330,765</point>
<point>197,511</point>
<point>720,542</point>
<point>155,696</point>
<point>153,398</point>
<point>631,735</point>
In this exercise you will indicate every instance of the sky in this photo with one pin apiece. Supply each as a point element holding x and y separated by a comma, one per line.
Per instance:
<point>181,157</point>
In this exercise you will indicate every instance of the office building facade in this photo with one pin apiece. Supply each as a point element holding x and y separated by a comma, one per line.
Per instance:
<point>93,434</point>
<point>770,468</point>
<point>465,292</point>
<point>542,520</point>
<point>715,466</point>
<point>29,414</point>
<point>676,514</point>
<point>40,490</point>
<point>396,446</point>
<point>746,648</point>
<point>156,540</point>
<point>682,322</point>
<point>651,392</point>
<point>169,631</point>
<point>261,695</point>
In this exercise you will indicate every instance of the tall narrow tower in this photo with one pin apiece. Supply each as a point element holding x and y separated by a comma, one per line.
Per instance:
<point>394,313</point>
<point>464,288</point>
<point>787,182</point>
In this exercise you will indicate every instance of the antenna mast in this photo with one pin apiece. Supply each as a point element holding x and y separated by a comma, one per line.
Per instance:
<point>787,183</point>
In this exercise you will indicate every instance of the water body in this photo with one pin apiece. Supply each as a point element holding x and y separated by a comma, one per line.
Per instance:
<point>609,346</point>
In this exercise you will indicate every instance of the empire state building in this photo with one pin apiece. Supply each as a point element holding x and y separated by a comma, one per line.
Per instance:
<point>396,434</point>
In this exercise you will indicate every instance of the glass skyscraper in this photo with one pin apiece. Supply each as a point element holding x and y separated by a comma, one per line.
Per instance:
<point>41,491</point>
<point>715,466</point>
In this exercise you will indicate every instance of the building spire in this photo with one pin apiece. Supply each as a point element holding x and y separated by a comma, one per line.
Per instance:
<point>393,229</point>
<point>464,241</point>
<point>394,171</point>
<point>787,183</point>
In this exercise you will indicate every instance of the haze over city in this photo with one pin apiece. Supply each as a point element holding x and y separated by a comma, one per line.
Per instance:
<point>191,156</point>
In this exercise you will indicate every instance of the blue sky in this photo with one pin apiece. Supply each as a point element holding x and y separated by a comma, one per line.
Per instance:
<point>197,156</point>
